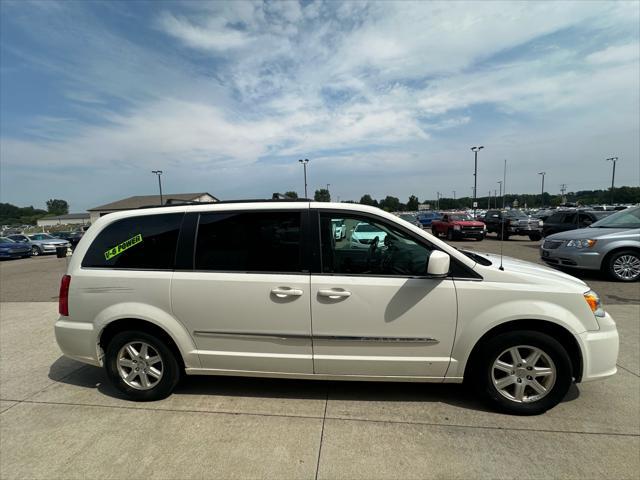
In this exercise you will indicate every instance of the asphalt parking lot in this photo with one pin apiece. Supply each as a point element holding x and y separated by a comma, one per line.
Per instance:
<point>60,419</point>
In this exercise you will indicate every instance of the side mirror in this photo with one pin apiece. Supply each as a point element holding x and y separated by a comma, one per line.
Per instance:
<point>586,221</point>
<point>438,264</point>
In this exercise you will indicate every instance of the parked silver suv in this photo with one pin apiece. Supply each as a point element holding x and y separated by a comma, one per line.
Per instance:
<point>611,245</point>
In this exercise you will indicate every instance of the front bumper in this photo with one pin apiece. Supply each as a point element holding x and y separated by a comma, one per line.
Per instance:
<point>52,247</point>
<point>14,253</point>
<point>600,350</point>
<point>77,340</point>
<point>571,257</point>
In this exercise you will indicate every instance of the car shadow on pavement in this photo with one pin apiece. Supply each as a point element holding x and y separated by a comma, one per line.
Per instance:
<point>456,395</point>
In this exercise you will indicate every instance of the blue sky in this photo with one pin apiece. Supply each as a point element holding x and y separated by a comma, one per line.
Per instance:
<point>383,98</point>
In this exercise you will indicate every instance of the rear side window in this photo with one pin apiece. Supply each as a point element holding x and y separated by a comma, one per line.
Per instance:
<point>555,218</point>
<point>147,242</point>
<point>249,242</point>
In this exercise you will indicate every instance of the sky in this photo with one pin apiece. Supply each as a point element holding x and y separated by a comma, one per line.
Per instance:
<point>384,98</point>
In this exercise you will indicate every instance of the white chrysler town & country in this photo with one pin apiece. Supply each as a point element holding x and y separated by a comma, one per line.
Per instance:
<point>266,289</point>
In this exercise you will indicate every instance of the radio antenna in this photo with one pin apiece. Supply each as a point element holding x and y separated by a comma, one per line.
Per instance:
<point>502,220</point>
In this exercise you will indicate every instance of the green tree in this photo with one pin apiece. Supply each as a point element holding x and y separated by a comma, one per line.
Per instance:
<point>390,204</point>
<point>56,206</point>
<point>412,204</point>
<point>367,200</point>
<point>322,195</point>
<point>292,195</point>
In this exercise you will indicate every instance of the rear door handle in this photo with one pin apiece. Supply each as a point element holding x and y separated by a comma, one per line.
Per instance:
<point>334,293</point>
<point>282,292</point>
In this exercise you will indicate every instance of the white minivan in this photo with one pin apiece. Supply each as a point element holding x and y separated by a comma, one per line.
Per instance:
<point>263,288</point>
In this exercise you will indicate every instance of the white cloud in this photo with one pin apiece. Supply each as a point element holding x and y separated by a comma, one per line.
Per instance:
<point>214,36</point>
<point>615,54</point>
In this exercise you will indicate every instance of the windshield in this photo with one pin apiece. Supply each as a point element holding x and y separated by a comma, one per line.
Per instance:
<point>629,218</point>
<point>461,217</point>
<point>365,227</point>
<point>516,214</point>
<point>6,240</point>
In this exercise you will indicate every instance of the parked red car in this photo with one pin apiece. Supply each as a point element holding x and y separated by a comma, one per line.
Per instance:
<point>458,225</point>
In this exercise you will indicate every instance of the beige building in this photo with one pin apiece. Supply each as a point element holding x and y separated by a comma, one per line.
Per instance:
<point>139,201</point>
<point>68,219</point>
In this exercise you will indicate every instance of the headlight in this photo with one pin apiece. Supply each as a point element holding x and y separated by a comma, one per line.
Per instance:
<point>540,223</point>
<point>581,243</point>
<point>593,300</point>
<point>456,227</point>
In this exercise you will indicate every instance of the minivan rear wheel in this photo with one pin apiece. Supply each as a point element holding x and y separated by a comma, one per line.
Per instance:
<point>141,366</point>
<point>522,372</point>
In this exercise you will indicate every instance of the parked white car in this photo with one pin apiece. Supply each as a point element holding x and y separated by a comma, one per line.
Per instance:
<point>365,233</point>
<point>231,288</point>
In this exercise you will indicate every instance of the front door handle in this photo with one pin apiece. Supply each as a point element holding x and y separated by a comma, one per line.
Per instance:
<point>282,292</point>
<point>334,293</point>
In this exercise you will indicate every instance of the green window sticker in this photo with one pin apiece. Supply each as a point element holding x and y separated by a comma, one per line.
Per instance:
<point>118,249</point>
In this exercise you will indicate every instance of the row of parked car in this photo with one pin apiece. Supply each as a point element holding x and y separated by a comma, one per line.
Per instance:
<point>24,246</point>
<point>597,240</point>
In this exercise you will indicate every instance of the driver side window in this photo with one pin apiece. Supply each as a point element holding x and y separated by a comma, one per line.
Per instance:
<point>370,248</point>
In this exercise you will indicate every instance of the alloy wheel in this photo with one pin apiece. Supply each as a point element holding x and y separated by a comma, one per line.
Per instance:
<point>140,365</point>
<point>523,374</point>
<point>627,267</point>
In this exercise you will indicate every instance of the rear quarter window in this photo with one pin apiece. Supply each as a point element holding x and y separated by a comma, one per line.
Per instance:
<point>144,242</point>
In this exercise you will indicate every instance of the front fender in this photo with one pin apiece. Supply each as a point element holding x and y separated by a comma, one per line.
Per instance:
<point>140,311</point>
<point>470,330</point>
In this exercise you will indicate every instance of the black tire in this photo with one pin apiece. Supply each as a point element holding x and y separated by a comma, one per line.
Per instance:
<point>35,251</point>
<point>481,372</point>
<point>499,234</point>
<point>534,237</point>
<point>449,234</point>
<point>435,233</point>
<point>609,265</point>
<point>170,366</point>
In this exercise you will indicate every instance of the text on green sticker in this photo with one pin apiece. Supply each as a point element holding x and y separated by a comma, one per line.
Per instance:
<point>118,249</point>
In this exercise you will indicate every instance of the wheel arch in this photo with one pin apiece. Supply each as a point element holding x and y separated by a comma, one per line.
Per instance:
<point>128,324</point>
<point>558,332</point>
<point>610,253</point>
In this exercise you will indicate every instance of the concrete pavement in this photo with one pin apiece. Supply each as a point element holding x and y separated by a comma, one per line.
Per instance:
<point>59,419</point>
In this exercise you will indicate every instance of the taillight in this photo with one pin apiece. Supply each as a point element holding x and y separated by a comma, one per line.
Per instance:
<point>63,299</point>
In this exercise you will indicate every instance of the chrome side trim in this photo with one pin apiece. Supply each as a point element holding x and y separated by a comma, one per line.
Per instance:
<point>378,339</point>
<point>288,336</point>
<point>276,336</point>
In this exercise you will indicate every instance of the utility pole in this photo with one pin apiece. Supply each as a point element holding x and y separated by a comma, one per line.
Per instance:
<point>613,174</point>
<point>304,163</point>
<point>489,200</point>
<point>563,189</point>
<point>542,194</point>
<point>159,174</point>
<point>475,151</point>
<point>437,200</point>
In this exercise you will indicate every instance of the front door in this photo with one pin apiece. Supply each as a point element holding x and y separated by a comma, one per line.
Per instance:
<point>374,310</point>
<point>246,302</point>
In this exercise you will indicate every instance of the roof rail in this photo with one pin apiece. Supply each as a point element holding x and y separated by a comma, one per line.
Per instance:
<point>255,200</point>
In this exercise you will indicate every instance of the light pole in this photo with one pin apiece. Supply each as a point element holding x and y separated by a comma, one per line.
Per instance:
<point>454,195</point>
<point>613,175</point>
<point>500,183</point>
<point>542,193</point>
<point>159,174</point>
<point>475,151</point>
<point>304,163</point>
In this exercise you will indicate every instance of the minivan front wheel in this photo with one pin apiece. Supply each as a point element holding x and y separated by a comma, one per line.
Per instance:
<point>522,373</point>
<point>624,266</point>
<point>141,366</point>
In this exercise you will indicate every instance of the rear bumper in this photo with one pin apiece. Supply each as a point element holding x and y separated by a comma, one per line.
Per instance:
<point>77,340</point>
<point>600,350</point>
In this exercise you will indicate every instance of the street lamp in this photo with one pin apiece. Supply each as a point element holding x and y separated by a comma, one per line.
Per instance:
<point>475,151</point>
<point>500,183</point>
<point>159,173</point>
<point>542,194</point>
<point>613,175</point>
<point>304,163</point>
